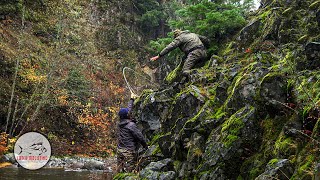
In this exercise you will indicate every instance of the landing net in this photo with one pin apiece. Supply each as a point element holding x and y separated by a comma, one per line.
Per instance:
<point>137,81</point>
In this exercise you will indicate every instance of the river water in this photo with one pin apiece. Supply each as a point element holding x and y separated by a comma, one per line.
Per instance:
<point>51,174</point>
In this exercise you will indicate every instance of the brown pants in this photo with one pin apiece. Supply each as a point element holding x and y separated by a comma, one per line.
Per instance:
<point>192,59</point>
<point>126,160</point>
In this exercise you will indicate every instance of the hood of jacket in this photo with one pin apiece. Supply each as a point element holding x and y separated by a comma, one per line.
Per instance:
<point>123,122</point>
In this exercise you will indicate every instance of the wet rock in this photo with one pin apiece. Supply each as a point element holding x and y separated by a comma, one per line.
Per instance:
<point>248,34</point>
<point>224,151</point>
<point>215,127</point>
<point>312,51</point>
<point>195,147</point>
<point>8,158</point>
<point>264,3</point>
<point>293,128</point>
<point>93,165</point>
<point>273,93</point>
<point>152,154</point>
<point>152,151</point>
<point>279,170</point>
<point>215,61</point>
<point>245,88</point>
<point>317,172</point>
<point>56,162</point>
<point>76,163</point>
<point>158,170</point>
<point>154,109</point>
<point>3,159</point>
<point>318,17</point>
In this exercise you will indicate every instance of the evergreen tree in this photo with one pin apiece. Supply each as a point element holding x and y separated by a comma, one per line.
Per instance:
<point>215,19</point>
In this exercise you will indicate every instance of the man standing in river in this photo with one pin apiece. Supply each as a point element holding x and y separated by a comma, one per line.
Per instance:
<point>129,138</point>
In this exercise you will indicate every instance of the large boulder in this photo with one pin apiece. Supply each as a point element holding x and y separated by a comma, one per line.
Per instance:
<point>161,170</point>
<point>238,136</point>
<point>8,158</point>
<point>273,95</point>
<point>93,164</point>
<point>248,33</point>
<point>280,169</point>
<point>312,52</point>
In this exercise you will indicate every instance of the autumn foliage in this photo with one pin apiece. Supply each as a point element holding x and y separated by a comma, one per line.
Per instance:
<point>3,143</point>
<point>59,80</point>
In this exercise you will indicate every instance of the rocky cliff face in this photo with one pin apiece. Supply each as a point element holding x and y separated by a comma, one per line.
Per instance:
<point>252,112</point>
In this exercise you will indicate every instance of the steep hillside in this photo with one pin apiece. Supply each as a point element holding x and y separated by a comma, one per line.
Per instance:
<point>61,71</point>
<point>251,112</point>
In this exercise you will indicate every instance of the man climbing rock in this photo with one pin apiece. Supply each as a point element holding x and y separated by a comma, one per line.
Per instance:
<point>129,138</point>
<point>191,44</point>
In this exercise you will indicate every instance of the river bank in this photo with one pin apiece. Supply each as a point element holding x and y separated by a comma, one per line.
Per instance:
<point>67,164</point>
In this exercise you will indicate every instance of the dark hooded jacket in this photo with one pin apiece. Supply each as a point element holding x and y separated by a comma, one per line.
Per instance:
<point>129,134</point>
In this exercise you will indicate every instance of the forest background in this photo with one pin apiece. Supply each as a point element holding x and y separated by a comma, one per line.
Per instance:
<point>61,62</point>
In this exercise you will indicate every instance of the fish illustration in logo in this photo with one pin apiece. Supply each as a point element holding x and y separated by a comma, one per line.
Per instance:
<point>35,148</point>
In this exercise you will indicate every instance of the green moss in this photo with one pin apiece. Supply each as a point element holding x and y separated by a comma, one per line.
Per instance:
<point>287,11</point>
<point>218,58</point>
<point>239,177</point>
<point>228,141</point>
<point>218,113</point>
<point>284,145</point>
<point>314,5</point>
<point>121,176</point>
<point>253,166</point>
<point>303,38</point>
<point>238,79</point>
<point>265,14</point>
<point>305,170</point>
<point>176,165</point>
<point>146,96</point>
<point>183,91</point>
<point>212,91</point>
<point>231,127</point>
<point>228,49</point>
<point>196,117</point>
<point>270,76</point>
<point>272,162</point>
<point>316,131</point>
<point>203,172</point>
<point>235,84</point>
<point>156,151</point>
<point>156,137</point>
<point>173,75</point>
<point>7,9</point>
<point>272,128</point>
<point>254,172</point>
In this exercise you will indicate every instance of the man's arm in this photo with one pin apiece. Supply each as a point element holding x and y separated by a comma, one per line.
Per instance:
<point>137,134</point>
<point>174,44</point>
<point>130,104</point>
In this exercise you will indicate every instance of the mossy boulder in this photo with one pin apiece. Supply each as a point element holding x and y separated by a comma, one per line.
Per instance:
<point>242,115</point>
<point>237,137</point>
<point>312,52</point>
<point>277,168</point>
<point>159,170</point>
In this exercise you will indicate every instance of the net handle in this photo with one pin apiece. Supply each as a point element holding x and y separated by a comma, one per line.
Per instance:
<point>128,85</point>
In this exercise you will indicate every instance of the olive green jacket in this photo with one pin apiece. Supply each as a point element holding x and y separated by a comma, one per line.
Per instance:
<point>186,41</point>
